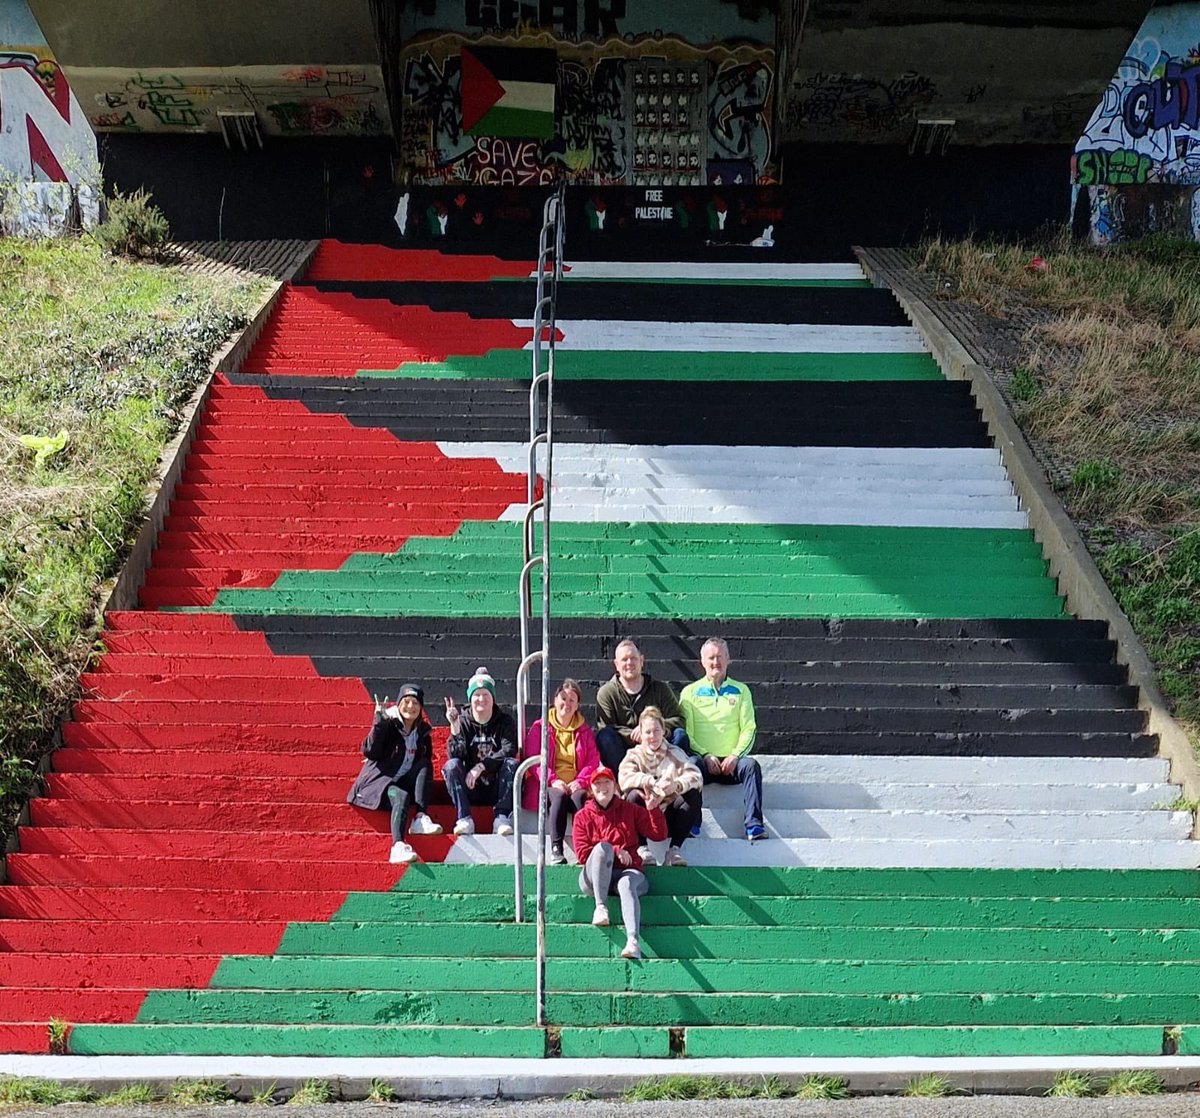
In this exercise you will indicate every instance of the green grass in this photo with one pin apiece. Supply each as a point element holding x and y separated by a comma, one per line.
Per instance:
<point>265,1097</point>
<point>1106,386</point>
<point>928,1087</point>
<point>41,1092</point>
<point>132,1094</point>
<point>197,1092</point>
<point>381,1091</point>
<point>1071,1085</point>
<point>107,351</point>
<point>822,1087</point>
<point>312,1092</point>
<point>1129,1083</point>
<point>677,1087</point>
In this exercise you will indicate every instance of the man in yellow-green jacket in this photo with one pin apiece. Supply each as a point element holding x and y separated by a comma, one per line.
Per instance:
<point>719,715</point>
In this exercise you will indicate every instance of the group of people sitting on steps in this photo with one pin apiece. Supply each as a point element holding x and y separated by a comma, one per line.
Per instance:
<point>655,751</point>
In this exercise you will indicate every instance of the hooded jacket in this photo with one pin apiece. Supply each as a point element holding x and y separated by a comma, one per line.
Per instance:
<point>488,743</point>
<point>642,769</point>
<point>383,751</point>
<point>621,824</point>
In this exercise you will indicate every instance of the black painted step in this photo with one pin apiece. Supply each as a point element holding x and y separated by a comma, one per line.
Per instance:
<point>666,302</point>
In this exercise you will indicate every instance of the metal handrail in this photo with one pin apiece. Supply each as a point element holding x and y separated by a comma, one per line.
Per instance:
<point>553,215</point>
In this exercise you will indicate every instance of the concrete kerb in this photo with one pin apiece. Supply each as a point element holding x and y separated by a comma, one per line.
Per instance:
<point>1080,582</point>
<point>436,1078</point>
<point>160,491</point>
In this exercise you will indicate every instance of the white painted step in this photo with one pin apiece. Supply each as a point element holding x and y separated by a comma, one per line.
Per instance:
<point>831,486</point>
<point>665,269</point>
<point>584,510</point>
<point>960,771</point>
<point>894,796</point>
<point>891,853</point>
<point>729,337</point>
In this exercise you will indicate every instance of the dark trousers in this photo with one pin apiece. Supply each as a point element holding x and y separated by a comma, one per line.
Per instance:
<point>681,816</point>
<point>496,792</point>
<point>612,748</point>
<point>561,805</point>
<point>749,776</point>
<point>410,789</point>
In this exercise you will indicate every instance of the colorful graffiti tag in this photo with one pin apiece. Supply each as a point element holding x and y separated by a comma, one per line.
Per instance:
<point>1146,128</point>
<point>307,100</point>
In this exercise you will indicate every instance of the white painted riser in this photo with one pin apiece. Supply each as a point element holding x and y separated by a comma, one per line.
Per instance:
<point>729,337</point>
<point>863,769</point>
<point>643,270</point>
<point>827,484</point>
<point>951,797</point>
<point>893,852</point>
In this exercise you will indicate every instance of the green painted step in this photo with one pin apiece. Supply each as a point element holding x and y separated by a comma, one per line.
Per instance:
<point>809,881</point>
<point>306,1040</point>
<point>615,1043</point>
<point>624,570</point>
<point>1038,1040</point>
<point>715,976</point>
<point>858,941</point>
<point>899,911</point>
<point>642,1008</point>
<point>516,364</point>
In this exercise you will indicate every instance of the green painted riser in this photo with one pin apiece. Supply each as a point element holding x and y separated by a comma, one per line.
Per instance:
<point>615,1044</point>
<point>715,606</point>
<point>1135,1040</point>
<point>305,1040</point>
<point>516,364</point>
<point>529,1043</point>
<point>713,976</point>
<point>913,912</point>
<point>809,881</point>
<point>441,1008</point>
<point>862,942</point>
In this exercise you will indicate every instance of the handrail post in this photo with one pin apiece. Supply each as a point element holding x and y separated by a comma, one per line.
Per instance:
<point>522,690</point>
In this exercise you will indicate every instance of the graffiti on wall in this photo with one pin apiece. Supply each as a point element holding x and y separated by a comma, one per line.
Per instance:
<point>304,100</point>
<point>850,105</point>
<point>47,150</point>
<point>602,117</point>
<point>1146,128</point>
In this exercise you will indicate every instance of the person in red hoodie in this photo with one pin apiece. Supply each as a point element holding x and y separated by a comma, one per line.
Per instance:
<point>607,832</point>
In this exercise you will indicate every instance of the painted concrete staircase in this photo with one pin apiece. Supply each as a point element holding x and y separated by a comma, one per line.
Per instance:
<point>192,881</point>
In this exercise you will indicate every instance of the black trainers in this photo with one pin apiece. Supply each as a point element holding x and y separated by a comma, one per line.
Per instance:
<point>557,857</point>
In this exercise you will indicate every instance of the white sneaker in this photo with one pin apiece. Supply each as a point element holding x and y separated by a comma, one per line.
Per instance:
<point>646,856</point>
<point>600,917</point>
<point>675,857</point>
<point>502,825</point>
<point>464,826</point>
<point>632,949</point>
<point>423,825</point>
<point>402,854</point>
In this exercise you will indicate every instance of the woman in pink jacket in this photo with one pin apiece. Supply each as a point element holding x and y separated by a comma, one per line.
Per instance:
<point>573,758</point>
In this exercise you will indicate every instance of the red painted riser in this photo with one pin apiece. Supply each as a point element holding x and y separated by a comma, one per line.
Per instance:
<point>49,869</point>
<point>25,1039</point>
<point>336,260</point>
<point>136,620</point>
<point>67,971</point>
<point>79,1006</point>
<point>338,846</point>
<point>47,902</point>
<point>296,669</point>
<point>153,815</point>
<point>124,689</point>
<point>170,735</point>
<point>230,789</point>
<point>142,938</point>
<point>130,762</point>
<point>213,711</point>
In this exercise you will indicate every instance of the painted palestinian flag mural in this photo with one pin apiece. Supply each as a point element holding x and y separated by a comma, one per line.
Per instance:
<point>508,91</point>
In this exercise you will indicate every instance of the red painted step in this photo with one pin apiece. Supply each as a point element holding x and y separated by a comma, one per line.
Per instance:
<point>189,972</point>
<point>78,1006</point>
<point>49,902</point>
<point>170,735</point>
<point>282,815</point>
<point>229,789</point>
<point>337,846</point>
<point>336,260</point>
<point>142,938</point>
<point>328,763</point>
<point>297,874</point>
<point>32,1038</point>
<point>124,689</point>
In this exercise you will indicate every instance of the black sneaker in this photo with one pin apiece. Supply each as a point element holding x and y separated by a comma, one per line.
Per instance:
<point>557,857</point>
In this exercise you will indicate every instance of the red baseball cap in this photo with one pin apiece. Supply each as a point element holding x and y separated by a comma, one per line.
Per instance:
<point>601,773</point>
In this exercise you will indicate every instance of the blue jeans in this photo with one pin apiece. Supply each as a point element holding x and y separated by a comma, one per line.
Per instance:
<point>496,792</point>
<point>611,746</point>
<point>746,773</point>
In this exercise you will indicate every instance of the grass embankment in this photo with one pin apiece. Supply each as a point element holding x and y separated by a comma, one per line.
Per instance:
<point>1107,388</point>
<point>107,351</point>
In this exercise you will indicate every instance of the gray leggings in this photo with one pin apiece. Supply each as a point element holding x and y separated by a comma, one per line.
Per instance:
<point>600,879</point>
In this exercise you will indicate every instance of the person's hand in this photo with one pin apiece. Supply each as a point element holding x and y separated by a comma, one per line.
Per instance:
<point>668,789</point>
<point>635,735</point>
<point>562,787</point>
<point>380,705</point>
<point>574,787</point>
<point>729,764</point>
<point>624,857</point>
<point>474,775</point>
<point>453,714</point>
<point>712,764</point>
<point>653,802</point>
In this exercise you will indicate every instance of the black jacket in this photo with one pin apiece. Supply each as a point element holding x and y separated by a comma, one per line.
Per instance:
<point>383,754</point>
<point>490,743</point>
